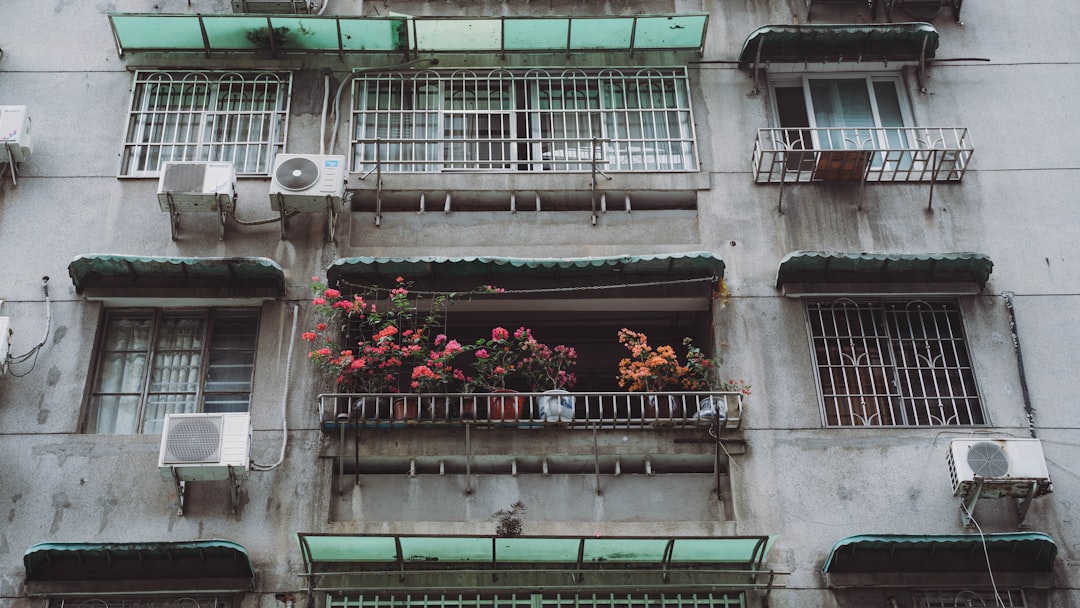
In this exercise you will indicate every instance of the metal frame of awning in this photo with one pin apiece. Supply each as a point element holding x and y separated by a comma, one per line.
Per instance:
<point>197,33</point>
<point>895,42</point>
<point>205,566</point>
<point>581,567</point>
<point>116,275</point>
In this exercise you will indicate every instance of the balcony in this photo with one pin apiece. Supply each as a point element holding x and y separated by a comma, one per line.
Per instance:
<point>571,410</point>
<point>861,154</point>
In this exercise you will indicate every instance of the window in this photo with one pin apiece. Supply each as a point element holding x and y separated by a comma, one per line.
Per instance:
<point>216,116</point>
<point>965,598</point>
<point>893,363</point>
<point>526,600</point>
<point>858,112</point>
<point>152,363</point>
<point>531,120</point>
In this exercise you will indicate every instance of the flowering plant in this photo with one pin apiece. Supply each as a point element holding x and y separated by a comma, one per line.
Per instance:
<point>548,368</point>
<point>497,358</point>
<point>383,341</point>
<point>436,373</point>
<point>658,369</point>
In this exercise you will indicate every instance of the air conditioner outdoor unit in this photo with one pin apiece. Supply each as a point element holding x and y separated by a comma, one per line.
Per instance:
<point>205,447</point>
<point>196,185</point>
<point>307,182</point>
<point>15,143</point>
<point>5,343</point>
<point>272,7</point>
<point>997,468</point>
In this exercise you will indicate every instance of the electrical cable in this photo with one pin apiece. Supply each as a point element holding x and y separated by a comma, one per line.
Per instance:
<point>986,552</point>
<point>284,397</point>
<point>37,348</point>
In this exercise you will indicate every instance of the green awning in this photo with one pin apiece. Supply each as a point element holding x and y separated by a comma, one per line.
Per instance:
<point>381,561</point>
<point>613,269</point>
<point>203,566</point>
<point>234,33</point>
<point>143,276</point>
<point>835,267</point>
<point>891,42</point>
<point>1008,552</point>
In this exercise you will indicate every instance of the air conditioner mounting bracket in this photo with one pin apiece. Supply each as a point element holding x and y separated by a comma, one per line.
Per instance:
<point>181,491</point>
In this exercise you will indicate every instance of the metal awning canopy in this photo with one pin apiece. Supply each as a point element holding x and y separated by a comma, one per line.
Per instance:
<point>1023,558</point>
<point>890,43</point>
<point>816,272</point>
<point>340,562</point>
<point>231,33</point>
<point>692,276</point>
<point>216,566</point>
<point>120,276</point>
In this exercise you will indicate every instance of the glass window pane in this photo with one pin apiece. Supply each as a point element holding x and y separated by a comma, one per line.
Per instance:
<point>111,414</point>
<point>159,405</point>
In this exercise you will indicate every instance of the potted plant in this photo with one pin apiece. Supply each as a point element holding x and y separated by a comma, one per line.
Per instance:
<point>436,375</point>
<point>658,369</point>
<point>548,369</point>
<point>496,360</point>
<point>384,343</point>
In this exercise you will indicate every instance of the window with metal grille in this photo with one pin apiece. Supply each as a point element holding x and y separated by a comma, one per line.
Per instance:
<point>524,600</point>
<point>129,602</point>
<point>529,120</point>
<point>213,116</point>
<point>156,362</point>
<point>964,598</point>
<point>893,363</point>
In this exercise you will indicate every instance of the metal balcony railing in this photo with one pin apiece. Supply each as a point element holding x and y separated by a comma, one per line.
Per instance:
<point>583,410</point>
<point>861,155</point>
<point>872,154</point>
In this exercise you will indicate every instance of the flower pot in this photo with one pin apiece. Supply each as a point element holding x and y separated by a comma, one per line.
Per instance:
<point>406,408</point>
<point>506,406</point>
<point>556,405</point>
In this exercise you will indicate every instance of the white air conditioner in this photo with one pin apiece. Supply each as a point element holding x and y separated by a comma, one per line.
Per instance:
<point>272,7</point>
<point>14,134</point>
<point>205,447</point>
<point>307,182</point>
<point>998,468</point>
<point>5,343</point>
<point>193,186</point>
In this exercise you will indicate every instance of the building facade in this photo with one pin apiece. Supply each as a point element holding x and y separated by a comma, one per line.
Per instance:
<point>853,204</point>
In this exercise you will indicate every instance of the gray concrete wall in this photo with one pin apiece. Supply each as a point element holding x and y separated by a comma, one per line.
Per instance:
<point>807,485</point>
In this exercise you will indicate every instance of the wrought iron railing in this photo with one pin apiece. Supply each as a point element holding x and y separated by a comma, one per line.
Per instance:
<point>532,410</point>
<point>861,154</point>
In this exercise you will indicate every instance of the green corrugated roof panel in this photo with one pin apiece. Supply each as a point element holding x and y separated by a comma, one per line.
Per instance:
<point>748,551</point>
<point>204,559</point>
<point>837,267</point>
<point>869,42</point>
<point>240,276</point>
<point>334,34</point>
<point>373,269</point>
<point>1008,552</point>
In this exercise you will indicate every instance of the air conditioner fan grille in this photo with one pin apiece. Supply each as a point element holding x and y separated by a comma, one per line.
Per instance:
<point>297,174</point>
<point>194,440</point>
<point>988,460</point>
<point>186,177</point>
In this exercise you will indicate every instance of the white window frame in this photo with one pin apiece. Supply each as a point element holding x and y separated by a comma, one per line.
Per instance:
<point>210,127</point>
<point>874,381</point>
<point>643,122</point>
<point>187,391</point>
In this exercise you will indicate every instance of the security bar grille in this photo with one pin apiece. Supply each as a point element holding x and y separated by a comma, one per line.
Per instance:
<point>952,598</point>
<point>213,116</point>
<point>534,120</point>
<point>584,600</point>
<point>893,363</point>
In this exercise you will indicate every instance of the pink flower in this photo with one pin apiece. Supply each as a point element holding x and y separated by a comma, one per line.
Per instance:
<point>499,334</point>
<point>309,336</point>
<point>321,327</point>
<point>482,354</point>
<point>332,293</point>
<point>319,301</point>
